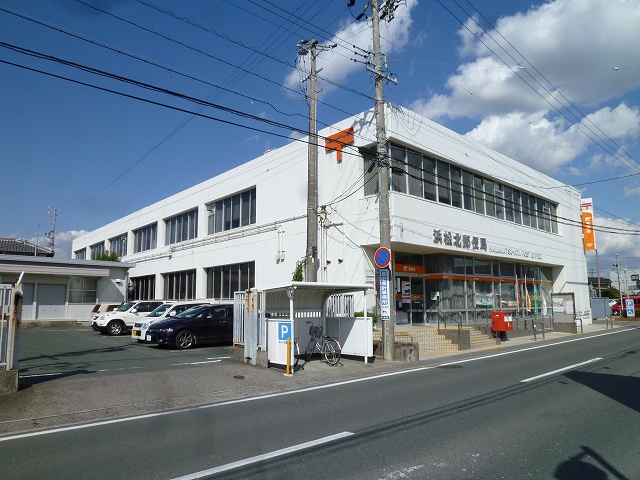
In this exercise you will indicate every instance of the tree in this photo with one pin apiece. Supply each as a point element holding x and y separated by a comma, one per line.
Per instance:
<point>106,256</point>
<point>298,273</point>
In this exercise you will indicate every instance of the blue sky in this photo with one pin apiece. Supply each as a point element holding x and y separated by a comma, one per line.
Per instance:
<point>555,85</point>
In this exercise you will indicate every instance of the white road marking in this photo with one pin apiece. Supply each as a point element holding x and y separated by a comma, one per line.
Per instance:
<point>196,363</point>
<point>570,367</point>
<point>266,456</point>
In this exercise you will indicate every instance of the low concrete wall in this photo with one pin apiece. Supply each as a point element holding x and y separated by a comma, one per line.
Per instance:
<point>8,381</point>
<point>453,335</point>
<point>403,351</point>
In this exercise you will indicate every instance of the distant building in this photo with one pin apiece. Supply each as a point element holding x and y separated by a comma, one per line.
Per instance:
<point>19,246</point>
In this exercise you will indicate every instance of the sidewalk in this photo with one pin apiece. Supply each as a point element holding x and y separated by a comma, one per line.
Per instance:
<point>76,399</point>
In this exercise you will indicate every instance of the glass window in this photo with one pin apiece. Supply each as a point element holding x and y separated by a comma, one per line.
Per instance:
<point>456,186</point>
<point>119,245</point>
<point>81,254</point>
<point>444,189</point>
<point>467,190</point>
<point>143,288</point>
<point>498,198</point>
<point>508,204</point>
<point>415,174</point>
<point>478,188</point>
<point>180,285</point>
<point>145,238</point>
<point>517,208</point>
<point>223,281</point>
<point>182,227</point>
<point>370,173</point>
<point>398,168</point>
<point>429,166</point>
<point>481,267</point>
<point>96,250</point>
<point>489,198</point>
<point>83,289</point>
<point>232,212</point>
<point>507,269</point>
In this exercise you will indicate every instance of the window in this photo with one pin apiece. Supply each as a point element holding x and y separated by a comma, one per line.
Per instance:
<point>182,227</point>
<point>429,165</point>
<point>96,250</point>
<point>498,198</point>
<point>467,190</point>
<point>415,174</point>
<point>444,190</point>
<point>456,186</point>
<point>81,254</point>
<point>232,212</point>
<point>489,198</point>
<point>180,285</point>
<point>370,172</point>
<point>143,288</point>
<point>145,238</point>
<point>478,188</point>
<point>82,289</point>
<point>224,281</point>
<point>398,169</point>
<point>119,245</point>
<point>508,204</point>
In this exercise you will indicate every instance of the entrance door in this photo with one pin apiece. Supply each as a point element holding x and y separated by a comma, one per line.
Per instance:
<point>417,301</point>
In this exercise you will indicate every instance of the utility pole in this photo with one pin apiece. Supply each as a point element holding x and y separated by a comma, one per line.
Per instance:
<point>311,264</point>
<point>384,170</point>
<point>51,235</point>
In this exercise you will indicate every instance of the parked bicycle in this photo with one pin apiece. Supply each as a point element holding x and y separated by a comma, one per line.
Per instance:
<point>328,347</point>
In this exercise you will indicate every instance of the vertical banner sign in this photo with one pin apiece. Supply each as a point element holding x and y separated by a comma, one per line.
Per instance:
<point>385,308</point>
<point>588,234</point>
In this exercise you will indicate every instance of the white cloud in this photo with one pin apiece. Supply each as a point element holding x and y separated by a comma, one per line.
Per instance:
<point>337,63</point>
<point>547,60</point>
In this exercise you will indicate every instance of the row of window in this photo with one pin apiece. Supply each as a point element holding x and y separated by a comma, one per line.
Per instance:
<point>425,177</point>
<point>235,211</point>
<point>222,282</point>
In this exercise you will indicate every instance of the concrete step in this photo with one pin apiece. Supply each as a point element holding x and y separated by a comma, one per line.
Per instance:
<point>428,340</point>
<point>481,341</point>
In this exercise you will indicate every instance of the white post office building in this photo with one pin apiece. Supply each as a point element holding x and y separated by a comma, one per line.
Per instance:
<point>471,230</point>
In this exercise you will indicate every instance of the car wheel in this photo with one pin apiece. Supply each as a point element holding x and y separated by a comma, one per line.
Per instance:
<point>116,327</point>
<point>185,339</point>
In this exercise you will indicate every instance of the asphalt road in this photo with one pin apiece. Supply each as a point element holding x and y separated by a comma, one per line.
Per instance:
<point>567,410</point>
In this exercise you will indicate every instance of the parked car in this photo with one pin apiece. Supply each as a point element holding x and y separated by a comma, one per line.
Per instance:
<point>615,308</point>
<point>122,319</point>
<point>103,307</point>
<point>196,326</point>
<point>167,310</point>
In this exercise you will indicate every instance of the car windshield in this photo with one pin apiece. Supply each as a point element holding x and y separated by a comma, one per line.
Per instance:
<point>160,310</point>
<point>192,312</point>
<point>126,306</point>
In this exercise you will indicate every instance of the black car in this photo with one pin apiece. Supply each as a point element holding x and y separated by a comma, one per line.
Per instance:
<point>198,325</point>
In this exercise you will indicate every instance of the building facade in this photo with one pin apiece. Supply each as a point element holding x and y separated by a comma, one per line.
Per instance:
<point>471,230</point>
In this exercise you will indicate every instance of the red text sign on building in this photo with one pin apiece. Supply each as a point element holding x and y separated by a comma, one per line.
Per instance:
<point>338,140</point>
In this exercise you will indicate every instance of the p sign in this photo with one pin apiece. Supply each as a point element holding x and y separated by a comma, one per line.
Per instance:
<point>284,331</point>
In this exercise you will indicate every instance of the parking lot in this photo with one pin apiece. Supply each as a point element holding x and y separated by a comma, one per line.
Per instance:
<point>47,352</point>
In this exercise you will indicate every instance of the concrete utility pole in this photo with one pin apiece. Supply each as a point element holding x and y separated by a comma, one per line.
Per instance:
<point>311,266</point>
<point>382,157</point>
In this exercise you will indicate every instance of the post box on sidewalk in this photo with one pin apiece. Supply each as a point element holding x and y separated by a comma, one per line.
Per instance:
<point>501,321</point>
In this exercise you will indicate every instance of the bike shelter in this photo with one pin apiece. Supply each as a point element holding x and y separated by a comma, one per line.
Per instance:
<point>264,319</point>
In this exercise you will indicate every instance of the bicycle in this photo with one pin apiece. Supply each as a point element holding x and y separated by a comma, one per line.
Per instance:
<point>328,347</point>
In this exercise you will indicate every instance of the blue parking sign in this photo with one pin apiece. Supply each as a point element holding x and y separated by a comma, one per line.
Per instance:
<point>284,330</point>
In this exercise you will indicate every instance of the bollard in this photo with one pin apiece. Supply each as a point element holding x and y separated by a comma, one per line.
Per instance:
<point>288,356</point>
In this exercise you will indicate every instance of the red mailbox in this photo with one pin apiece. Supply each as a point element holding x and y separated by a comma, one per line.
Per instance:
<point>501,321</point>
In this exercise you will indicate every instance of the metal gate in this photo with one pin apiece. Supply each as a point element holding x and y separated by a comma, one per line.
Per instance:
<point>6,330</point>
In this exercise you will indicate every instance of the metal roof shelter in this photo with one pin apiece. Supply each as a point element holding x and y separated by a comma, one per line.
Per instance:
<point>265,318</point>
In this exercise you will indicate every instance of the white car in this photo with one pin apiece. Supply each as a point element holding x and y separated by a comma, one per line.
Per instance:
<point>167,310</point>
<point>122,319</point>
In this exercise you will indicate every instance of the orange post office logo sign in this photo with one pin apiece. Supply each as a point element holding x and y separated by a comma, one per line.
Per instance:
<point>337,141</point>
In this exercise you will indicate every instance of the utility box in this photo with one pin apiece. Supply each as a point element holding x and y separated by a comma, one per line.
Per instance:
<point>501,321</point>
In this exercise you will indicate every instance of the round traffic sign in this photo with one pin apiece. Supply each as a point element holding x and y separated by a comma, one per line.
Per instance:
<point>382,257</point>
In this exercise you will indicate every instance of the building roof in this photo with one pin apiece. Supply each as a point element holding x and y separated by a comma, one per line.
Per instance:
<point>19,246</point>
